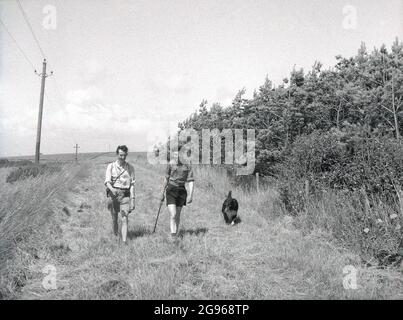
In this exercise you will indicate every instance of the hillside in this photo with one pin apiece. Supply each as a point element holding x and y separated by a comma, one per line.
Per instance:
<point>264,257</point>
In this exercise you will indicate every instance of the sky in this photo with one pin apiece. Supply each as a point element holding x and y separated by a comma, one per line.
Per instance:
<point>126,71</point>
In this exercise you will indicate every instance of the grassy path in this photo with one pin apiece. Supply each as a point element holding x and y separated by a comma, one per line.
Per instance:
<point>261,258</point>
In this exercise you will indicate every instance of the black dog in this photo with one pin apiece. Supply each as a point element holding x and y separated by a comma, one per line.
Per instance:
<point>230,210</point>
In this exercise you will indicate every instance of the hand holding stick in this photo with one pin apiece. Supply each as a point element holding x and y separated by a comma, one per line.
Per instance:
<point>161,202</point>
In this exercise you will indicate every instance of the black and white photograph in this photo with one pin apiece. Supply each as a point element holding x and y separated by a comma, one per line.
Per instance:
<point>211,151</point>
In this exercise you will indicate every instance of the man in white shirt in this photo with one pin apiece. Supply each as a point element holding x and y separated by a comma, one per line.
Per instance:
<point>120,180</point>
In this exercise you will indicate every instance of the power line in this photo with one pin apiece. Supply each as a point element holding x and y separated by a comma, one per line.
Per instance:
<point>30,28</point>
<point>18,46</point>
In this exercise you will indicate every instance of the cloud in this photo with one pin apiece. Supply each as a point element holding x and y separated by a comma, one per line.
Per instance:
<point>94,67</point>
<point>98,118</point>
<point>93,72</point>
<point>85,118</point>
<point>173,84</point>
<point>84,95</point>
<point>21,124</point>
<point>224,95</point>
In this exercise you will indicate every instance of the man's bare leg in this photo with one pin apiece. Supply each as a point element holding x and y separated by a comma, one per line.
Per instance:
<point>172,220</point>
<point>114,215</point>
<point>124,227</point>
<point>124,212</point>
<point>177,219</point>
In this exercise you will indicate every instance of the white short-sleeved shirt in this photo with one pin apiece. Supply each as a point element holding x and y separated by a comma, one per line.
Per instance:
<point>125,180</point>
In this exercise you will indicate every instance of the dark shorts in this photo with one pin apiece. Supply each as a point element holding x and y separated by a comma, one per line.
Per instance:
<point>176,195</point>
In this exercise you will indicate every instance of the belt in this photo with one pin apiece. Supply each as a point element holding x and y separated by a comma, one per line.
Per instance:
<point>176,186</point>
<point>124,189</point>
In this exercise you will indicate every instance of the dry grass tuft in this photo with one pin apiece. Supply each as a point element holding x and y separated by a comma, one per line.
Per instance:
<point>26,209</point>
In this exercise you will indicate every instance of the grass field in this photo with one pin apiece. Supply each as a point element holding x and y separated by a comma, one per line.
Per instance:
<point>264,257</point>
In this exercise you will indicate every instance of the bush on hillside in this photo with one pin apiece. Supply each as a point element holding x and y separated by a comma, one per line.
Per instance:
<point>5,163</point>
<point>32,171</point>
<point>341,161</point>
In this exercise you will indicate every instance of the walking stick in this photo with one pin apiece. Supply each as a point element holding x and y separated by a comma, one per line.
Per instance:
<point>162,201</point>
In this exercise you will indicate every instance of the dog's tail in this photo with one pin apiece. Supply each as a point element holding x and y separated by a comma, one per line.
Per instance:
<point>229,195</point>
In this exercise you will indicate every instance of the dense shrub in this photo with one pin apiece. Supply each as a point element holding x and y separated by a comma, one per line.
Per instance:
<point>4,163</point>
<point>376,164</point>
<point>313,157</point>
<point>341,161</point>
<point>32,171</point>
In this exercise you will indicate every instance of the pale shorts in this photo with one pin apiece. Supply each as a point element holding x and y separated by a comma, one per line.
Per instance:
<point>120,203</point>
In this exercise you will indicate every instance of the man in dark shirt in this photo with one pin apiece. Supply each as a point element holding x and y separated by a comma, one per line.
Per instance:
<point>177,174</point>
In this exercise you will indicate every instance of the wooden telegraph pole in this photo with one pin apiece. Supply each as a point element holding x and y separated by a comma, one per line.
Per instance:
<point>41,98</point>
<point>76,147</point>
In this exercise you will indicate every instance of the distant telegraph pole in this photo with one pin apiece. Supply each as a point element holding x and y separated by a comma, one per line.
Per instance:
<point>39,127</point>
<point>76,147</point>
